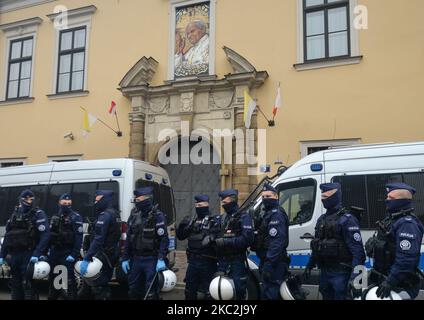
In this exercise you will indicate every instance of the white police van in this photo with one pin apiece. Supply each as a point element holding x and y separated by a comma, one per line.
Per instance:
<point>363,171</point>
<point>81,179</point>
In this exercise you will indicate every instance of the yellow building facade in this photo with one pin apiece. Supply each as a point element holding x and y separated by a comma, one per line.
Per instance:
<point>349,71</point>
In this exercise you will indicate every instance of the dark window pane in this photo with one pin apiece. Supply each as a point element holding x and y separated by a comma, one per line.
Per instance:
<point>4,215</point>
<point>83,199</point>
<point>11,164</point>
<point>55,192</point>
<point>166,204</point>
<point>416,180</point>
<point>114,186</point>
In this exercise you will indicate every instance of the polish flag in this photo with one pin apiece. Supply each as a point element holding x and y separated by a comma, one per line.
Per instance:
<point>277,104</point>
<point>112,109</point>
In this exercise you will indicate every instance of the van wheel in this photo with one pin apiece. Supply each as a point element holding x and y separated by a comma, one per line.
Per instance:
<point>253,291</point>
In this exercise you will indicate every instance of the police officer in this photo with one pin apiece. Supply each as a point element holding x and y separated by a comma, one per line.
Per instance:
<point>271,242</point>
<point>396,247</point>
<point>66,233</point>
<point>235,236</point>
<point>337,248</point>
<point>202,261</point>
<point>26,240</point>
<point>146,246</point>
<point>104,244</point>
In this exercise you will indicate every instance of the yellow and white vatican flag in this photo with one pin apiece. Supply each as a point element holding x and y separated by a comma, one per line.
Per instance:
<point>88,122</point>
<point>249,108</point>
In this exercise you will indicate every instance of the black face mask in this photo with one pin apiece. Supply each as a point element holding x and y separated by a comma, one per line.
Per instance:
<point>333,202</point>
<point>65,209</point>
<point>393,206</point>
<point>25,206</point>
<point>202,211</point>
<point>270,203</point>
<point>231,207</point>
<point>144,206</point>
<point>102,204</point>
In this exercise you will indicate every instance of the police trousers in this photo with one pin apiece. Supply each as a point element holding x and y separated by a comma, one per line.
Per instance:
<point>22,284</point>
<point>140,277</point>
<point>67,287</point>
<point>334,284</point>
<point>272,276</point>
<point>236,270</point>
<point>200,272</point>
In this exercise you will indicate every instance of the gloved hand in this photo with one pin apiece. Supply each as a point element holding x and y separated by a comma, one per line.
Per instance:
<point>70,259</point>
<point>43,258</point>
<point>160,265</point>
<point>125,266</point>
<point>307,272</point>
<point>83,267</point>
<point>2,262</point>
<point>220,242</point>
<point>33,259</point>
<point>384,290</point>
<point>207,241</point>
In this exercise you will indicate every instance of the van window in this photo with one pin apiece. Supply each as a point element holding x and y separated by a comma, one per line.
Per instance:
<point>55,192</point>
<point>163,196</point>
<point>369,192</point>
<point>298,200</point>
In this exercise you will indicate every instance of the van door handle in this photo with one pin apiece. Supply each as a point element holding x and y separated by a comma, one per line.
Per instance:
<point>307,236</point>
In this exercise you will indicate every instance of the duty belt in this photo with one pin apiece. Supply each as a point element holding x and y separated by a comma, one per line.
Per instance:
<point>233,257</point>
<point>191,255</point>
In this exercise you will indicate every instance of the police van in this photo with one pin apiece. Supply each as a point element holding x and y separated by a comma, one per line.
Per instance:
<point>363,171</point>
<point>81,179</point>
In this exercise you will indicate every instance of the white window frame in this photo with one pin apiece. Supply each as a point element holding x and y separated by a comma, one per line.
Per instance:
<point>81,17</point>
<point>76,157</point>
<point>174,4</point>
<point>12,5</point>
<point>305,145</point>
<point>10,160</point>
<point>355,56</point>
<point>15,31</point>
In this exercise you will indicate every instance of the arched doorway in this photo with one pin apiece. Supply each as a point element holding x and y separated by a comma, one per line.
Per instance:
<point>190,179</point>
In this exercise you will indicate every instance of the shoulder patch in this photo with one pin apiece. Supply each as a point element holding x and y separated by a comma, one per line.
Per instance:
<point>273,232</point>
<point>41,227</point>
<point>405,245</point>
<point>161,231</point>
<point>357,237</point>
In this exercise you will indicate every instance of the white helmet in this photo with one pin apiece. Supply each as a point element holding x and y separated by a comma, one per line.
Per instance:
<point>39,270</point>
<point>372,295</point>
<point>93,269</point>
<point>222,288</point>
<point>291,289</point>
<point>167,280</point>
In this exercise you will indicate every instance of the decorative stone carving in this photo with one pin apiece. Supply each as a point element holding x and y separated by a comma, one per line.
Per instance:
<point>187,102</point>
<point>239,63</point>
<point>227,115</point>
<point>140,74</point>
<point>221,100</point>
<point>159,105</point>
<point>151,119</point>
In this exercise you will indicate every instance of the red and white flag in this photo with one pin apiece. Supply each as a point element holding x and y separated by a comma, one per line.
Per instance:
<point>112,109</point>
<point>277,104</point>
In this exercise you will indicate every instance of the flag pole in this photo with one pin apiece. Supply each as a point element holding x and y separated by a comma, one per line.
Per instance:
<point>119,134</point>
<point>271,123</point>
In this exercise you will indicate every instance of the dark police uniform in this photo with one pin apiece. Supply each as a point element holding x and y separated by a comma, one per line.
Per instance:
<point>396,249</point>
<point>104,244</point>
<point>235,236</point>
<point>27,237</point>
<point>337,248</point>
<point>66,233</point>
<point>202,261</point>
<point>146,246</point>
<point>270,245</point>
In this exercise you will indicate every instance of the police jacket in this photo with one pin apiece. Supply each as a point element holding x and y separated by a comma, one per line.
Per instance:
<point>237,231</point>
<point>195,231</point>
<point>337,240</point>
<point>26,231</point>
<point>272,236</point>
<point>147,235</point>
<point>66,232</point>
<point>396,248</point>
<point>106,234</point>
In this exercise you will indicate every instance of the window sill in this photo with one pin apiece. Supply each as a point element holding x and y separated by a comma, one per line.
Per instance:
<point>16,101</point>
<point>66,95</point>
<point>327,63</point>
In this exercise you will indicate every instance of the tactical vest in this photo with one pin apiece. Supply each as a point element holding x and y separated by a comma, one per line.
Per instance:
<point>61,231</point>
<point>328,246</point>
<point>198,232</point>
<point>22,233</point>
<point>231,229</point>
<point>261,240</point>
<point>143,235</point>
<point>113,233</point>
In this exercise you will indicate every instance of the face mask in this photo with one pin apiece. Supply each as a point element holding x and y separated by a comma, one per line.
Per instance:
<point>101,205</point>
<point>231,207</point>
<point>25,206</point>
<point>202,211</point>
<point>65,208</point>
<point>270,203</point>
<point>144,206</point>
<point>333,201</point>
<point>393,206</point>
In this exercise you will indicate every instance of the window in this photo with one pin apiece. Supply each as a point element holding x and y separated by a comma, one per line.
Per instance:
<point>326,29</point>
<point>8,163</point>
<point>64,158</point>
<point>298,200</point>
<point>369,193</point>
<point>19,70</point>
<point>71,62</point>
<point>310,147</point>
<point>163,196</point>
